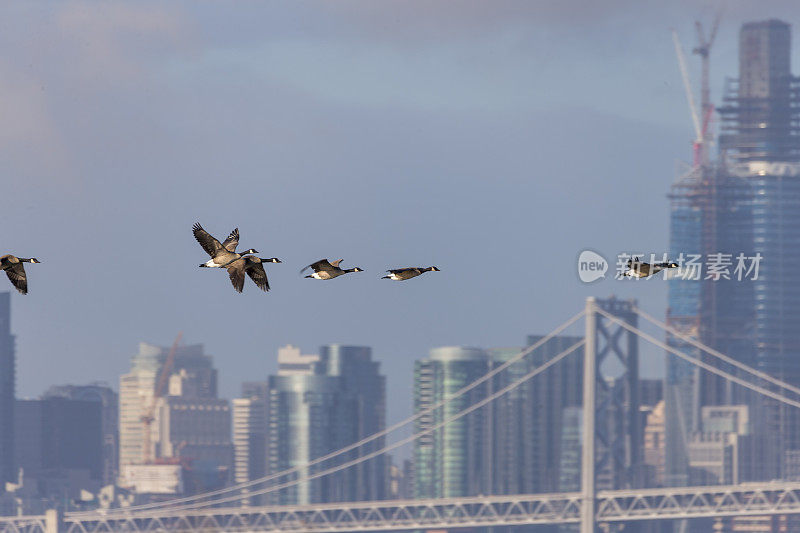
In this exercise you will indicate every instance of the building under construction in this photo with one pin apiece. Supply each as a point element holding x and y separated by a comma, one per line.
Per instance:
<point>746,201</point>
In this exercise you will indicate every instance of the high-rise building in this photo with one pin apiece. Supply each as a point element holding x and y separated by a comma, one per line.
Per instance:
<point>450,461</point>
<point>526,423</point>
<point>571,444</point>
<point>714,453</point>
<point>312,412</point>
<point>361,376</point>
<point>516,444</point>
<point>59,443</point>
<point>655,446</point>
<point>250,417</point>
<point>250,435</point>
<point>249,439</point>
<point>190,422</point>
<point>196,429</point>
<point>759,113</point>
<point>748,203</point>
<point>109,407</point>
<point>7,382</point>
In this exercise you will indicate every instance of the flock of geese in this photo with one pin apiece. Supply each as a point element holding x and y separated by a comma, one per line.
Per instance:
<point>224,255</point>
<point>238,264</point>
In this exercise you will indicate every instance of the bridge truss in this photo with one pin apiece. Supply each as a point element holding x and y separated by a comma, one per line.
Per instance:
<point>757,499</point>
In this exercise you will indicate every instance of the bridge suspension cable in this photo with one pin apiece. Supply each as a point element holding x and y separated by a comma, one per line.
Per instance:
<point>701,364</point>
<point>716,353</point>
<point>277,475</point>
<point>538,370</point>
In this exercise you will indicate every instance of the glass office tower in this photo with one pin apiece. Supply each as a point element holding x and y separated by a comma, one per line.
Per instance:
<point>338,401</point>
<point>450,461</point>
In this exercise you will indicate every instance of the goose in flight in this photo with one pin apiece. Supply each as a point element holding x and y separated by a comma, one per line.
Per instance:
<point>638,269</point>
<point>402,274</point>
<point>221,254</point>
<point>323,269</point>
<point>254,267</point>
<point>16,271</point>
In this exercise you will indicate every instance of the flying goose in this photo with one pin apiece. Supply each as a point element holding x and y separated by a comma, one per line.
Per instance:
<point>16,271</point>
<point>323,269</point>
<point>221,254</point>
<point>637,269</point>
<point>402,274</point>
<point>254,268</point>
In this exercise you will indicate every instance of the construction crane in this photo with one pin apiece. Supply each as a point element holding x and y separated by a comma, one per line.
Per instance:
<point>148,416</point>
<point>687,85</point>
<point>701,118</point>
<point>703,49</point>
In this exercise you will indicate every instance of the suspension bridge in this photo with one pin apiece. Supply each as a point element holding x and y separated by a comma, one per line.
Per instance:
<point>229,509</point>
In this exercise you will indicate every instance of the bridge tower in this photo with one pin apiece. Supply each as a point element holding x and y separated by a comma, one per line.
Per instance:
<point>611,432</point>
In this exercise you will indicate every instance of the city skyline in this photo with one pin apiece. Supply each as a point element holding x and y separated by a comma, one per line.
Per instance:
<point>503,145</point>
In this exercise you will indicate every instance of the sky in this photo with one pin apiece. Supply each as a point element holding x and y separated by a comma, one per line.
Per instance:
<point>495,140</point>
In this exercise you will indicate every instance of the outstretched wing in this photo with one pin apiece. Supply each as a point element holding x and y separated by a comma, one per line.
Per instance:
<point>236,273</point>
<point>400,270</point>
<point>258,275</point>
<point>335,264</point>
<point>16,274</point>
<point>209,243</point>
<point>232,241</point>
<point>322,264</point>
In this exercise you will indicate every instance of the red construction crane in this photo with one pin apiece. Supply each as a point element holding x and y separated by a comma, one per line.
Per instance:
<point>703,49</point>
<point>702,119</point>
<point>149,414</point>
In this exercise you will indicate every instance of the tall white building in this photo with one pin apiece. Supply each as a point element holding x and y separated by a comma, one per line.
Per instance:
<point>249,439</point>
<point>190,423</point>
<point>136,390</point>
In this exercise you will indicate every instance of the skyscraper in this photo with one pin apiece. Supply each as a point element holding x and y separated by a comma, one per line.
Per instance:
<point>516,444</point>
<point>109,406</point>
<point>7,382</point>
<point>192,377</point>
<point>249,439</point>
<point>197,429</point>
<point>748,203</point>
<point>450,461</point>
<point>526,423</point>
<point>361,377</point>
<point>339,400</point>
<point>654,455</point>
<point>250,433</point>
<point>59,443</point>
